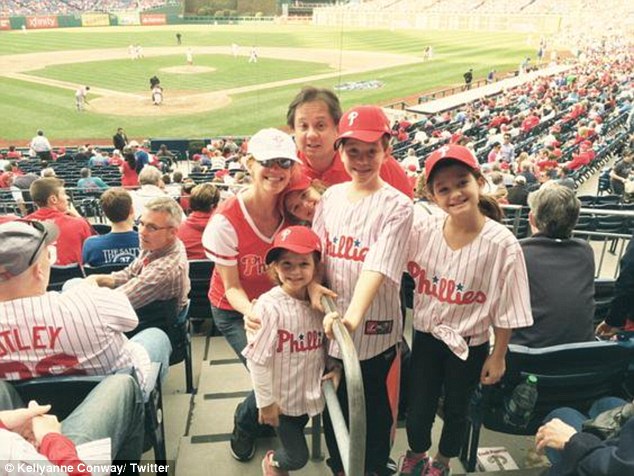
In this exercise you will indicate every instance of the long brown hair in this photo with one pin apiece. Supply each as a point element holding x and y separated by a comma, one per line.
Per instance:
<point>487,205</point>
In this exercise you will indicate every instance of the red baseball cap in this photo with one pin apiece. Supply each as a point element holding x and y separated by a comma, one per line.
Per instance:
<point>451,151</point>
<point>298,239</point>
<point>298,182</point>
<point>364,123</point>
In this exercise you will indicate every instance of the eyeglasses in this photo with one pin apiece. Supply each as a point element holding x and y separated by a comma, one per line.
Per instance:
<point>42,229</point>
<point>153,228</point>
<point>281,163</point>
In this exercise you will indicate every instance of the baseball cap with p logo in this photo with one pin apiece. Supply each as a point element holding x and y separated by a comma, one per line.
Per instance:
<point>364,123</point>
<point>298,239</point>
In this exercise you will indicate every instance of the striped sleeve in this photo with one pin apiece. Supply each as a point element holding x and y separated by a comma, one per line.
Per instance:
<point>514,305</point>
<point>387,255</point>
<point>260,349</point>
<point>220,241</point>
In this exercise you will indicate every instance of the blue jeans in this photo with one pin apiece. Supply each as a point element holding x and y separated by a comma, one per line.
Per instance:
<point>113,409</point>
<point>575,419</point>
<point>158,347</point>
<point>231,324</point>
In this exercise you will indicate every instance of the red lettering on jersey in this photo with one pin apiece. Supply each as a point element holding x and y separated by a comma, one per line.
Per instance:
<point>19,339</point>
<point>345,247</point>
<point>252,265</point>
<point>443,289</point>
<point>311,340</point>
<point>58,364</point>
<point>8,371</point>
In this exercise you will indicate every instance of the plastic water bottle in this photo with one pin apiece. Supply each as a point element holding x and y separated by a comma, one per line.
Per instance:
<point>520,406</point>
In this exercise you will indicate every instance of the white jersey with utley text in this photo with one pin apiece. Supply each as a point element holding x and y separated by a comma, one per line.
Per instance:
<point>291,343</point>
<point>369,234</point>
<point>459,294</point>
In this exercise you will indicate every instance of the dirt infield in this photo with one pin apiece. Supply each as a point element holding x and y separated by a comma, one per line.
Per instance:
<point>182,103</point>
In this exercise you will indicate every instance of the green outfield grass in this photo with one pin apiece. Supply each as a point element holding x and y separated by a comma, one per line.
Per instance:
<point>25,106</point>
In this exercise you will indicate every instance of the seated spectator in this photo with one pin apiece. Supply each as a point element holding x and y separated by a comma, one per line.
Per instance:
<point>88,183</point>
<point>620,173</point>
<point>151,181</point>
<point>563,178</point>
<point>572,451</point>
<point>121,245</point>
<point>161,271</point>
<point>560,272</point>
<point>203,201</point>
<point>63,155</point>
<point>169,188</point>
<point>48,172</point>
<point>129,176</point>
<point>518,193</point>
<point>13,154</point>
<point>6,176</point>
<point>411,159</point>
<point>97,160</point>
<point>116,159</point>
<point>50,196</point>
<point>114,408</point>
<point>621,312</point>
<point>79,331</point>
<point>165,156</point>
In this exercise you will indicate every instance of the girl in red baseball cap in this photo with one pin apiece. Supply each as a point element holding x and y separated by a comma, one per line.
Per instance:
<point>470,276</point>
<point>286,357</point>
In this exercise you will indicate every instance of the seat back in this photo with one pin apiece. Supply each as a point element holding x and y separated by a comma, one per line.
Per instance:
<point>105,269</point>
<point>570,375</point>
<point>61,274</point>
<point>200,276</point>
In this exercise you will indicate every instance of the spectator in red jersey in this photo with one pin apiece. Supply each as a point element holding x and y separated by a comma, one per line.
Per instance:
<point>203,201</point>
<point>53,203</point>
<point>13,154</point>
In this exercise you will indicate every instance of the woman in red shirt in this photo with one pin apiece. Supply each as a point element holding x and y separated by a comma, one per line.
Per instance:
<point>129,177</point>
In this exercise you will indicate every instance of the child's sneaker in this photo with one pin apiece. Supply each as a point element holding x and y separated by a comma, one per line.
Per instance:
<point>268,467</point>
<point>412,464</point>
<point>436,468</point>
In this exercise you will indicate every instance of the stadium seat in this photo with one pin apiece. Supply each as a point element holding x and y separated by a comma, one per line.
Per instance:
<point>572,375</point>
<point>61,274</point>
<point>67,392</point>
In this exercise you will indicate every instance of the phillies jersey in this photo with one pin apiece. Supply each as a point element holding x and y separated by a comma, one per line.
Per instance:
<point>459,294</point>
<point>369,234</point>
<point>232,239</point>
<point>291,343</point>
<point>78,332</point>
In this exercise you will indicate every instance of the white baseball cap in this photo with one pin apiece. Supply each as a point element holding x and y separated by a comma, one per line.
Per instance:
<point>269,144</point>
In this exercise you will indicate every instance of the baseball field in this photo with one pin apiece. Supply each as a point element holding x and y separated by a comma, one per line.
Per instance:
<point>220,94</point>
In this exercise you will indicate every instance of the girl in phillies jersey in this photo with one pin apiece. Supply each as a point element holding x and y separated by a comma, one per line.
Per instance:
<point>364,226</point>
<point>286,357</point>
<point>470,275</point>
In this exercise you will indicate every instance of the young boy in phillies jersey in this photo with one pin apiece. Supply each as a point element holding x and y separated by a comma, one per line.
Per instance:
<point>287,357</point>
<point>364,226</point>
<point>469,275</point>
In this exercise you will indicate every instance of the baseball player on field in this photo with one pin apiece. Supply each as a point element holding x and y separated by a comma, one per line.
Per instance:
<point>364,226</point>
<point>470,276</point>
<point>286,357</point>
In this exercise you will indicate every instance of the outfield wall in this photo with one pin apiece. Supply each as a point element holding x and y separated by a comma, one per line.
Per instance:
<point>363,18</point>
<point>126,18</point>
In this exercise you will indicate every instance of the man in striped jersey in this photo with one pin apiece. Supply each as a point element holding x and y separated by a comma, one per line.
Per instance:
<point>78,332</point>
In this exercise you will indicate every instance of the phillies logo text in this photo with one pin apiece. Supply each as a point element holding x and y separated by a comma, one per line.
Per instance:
<point>310,340</point>
<point>443,289</point>
<point>346,247</point>
<point>252,265</point>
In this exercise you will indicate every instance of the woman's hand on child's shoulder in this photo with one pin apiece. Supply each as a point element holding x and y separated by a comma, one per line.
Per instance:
<point>270,415</point>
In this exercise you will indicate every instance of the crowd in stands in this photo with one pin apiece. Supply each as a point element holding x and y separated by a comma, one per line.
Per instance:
<point>345,175</point>
<point>67,7</point>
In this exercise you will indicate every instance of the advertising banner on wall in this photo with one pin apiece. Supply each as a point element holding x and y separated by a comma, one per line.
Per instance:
<point>148,19</point>
<point>95,19</point>
<point>128,18</point>
<point>43,21</point>
<point>5,24</point>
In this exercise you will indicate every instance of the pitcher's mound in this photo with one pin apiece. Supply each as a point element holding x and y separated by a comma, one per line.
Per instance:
<point>188,69</point>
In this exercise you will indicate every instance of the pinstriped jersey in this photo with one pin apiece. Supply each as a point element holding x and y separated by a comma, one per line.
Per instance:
<point>291,343</point>
<point>369,234</point>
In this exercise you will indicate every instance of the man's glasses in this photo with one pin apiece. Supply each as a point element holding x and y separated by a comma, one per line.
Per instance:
<point>281,163</point>
<point>153,228</point>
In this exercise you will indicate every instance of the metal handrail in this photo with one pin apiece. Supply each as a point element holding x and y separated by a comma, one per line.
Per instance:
<point>351,438</point>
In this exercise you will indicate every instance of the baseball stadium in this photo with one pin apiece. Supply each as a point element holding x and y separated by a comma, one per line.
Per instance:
<point>347,237</point>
